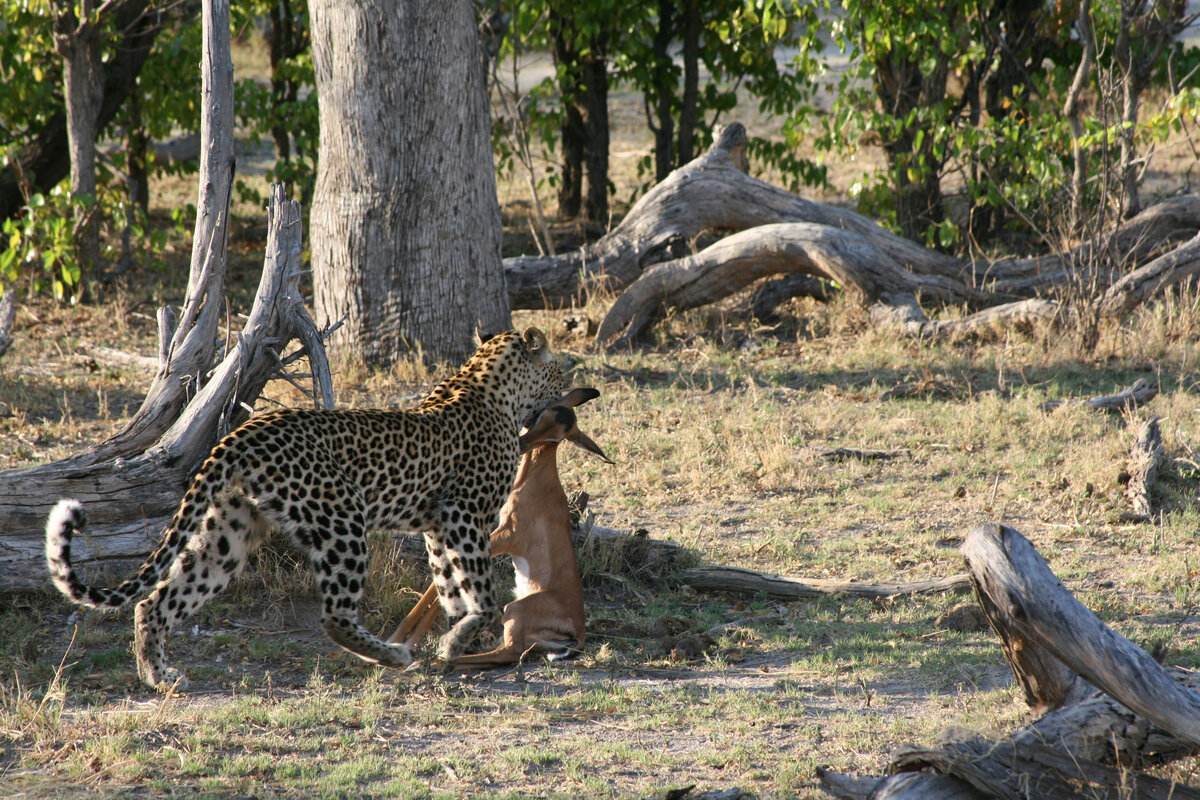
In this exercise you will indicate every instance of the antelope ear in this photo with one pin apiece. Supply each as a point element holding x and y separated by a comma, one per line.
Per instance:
<point>579,395</point>
<point>535,342</point>
<point>581,440</point>
<point>481,335</point>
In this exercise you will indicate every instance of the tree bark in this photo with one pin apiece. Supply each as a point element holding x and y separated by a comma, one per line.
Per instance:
<point>405,169</point>
<point>8,312</point>
<point>1145,457</point>
<point>595,122</point>
<point>78,41</point>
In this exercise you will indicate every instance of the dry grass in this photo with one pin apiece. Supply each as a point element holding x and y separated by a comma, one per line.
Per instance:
<point>715,429</point>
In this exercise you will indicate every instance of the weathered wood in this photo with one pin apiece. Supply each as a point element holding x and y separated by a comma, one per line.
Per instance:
<point>1144,282</point>
<point>739,580</point>
<point>1014,770</point>
<point>1021,313</point>
<point>1032,611</point>
<point>1089,743</point>
<point>712,192</point>
<point>129,500</point>
<point>193,345</point>
<point>847,453</point>
<point>901,786</point>
<point>853,260</point>
<point>1141,392</point>
<point>1145,458</point>
<point>924,786</point>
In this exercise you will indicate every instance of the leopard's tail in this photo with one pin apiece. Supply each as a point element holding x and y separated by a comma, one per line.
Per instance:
<point>64,522</point>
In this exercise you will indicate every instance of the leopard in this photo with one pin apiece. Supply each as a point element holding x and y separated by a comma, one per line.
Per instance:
<point>325,478</point>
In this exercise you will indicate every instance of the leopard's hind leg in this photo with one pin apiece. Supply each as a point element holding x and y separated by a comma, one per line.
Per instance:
<point>339,558</point>
<point>230,529</point>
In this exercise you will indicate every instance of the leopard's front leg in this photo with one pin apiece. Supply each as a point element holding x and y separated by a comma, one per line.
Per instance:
<point>460,558</point>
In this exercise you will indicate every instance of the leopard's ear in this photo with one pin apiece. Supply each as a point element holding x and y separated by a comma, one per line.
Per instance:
<point>535,342</point>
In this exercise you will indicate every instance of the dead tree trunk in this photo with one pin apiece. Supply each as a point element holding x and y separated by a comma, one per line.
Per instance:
<point>8,312</point>
<point>774,232</point>
<point>1110,708</point>
<point>131,483</point>
<point>1145,457</point>
<point>130,498</point>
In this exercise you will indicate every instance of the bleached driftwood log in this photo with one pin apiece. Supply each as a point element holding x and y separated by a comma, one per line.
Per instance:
<point>1090,742</point>
<point>649,257</point>
<point>130,499</point>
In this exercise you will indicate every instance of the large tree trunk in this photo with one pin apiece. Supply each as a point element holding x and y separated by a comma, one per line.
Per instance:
<point>131,483</point>
<point>405,221</point>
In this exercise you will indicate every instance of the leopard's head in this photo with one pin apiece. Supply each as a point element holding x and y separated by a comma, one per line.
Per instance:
<point>517,369</point>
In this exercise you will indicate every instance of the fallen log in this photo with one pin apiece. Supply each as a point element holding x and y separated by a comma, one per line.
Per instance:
<point>852,260</point>
<point>738,580</point>
<point>1144,282</point>
<point>713,192</point>
<point>1109,709</point>
<point>1145,458</point>
<point>130,499</point>
<point>848,453</point>
<point>1141,392</point>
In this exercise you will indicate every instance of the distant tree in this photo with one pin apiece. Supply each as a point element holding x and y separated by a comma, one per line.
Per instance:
<point>955,88</point>
<point>581,36</point>
<point>689,60</point>
<point>33,116</point>
<point>405,222</point>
